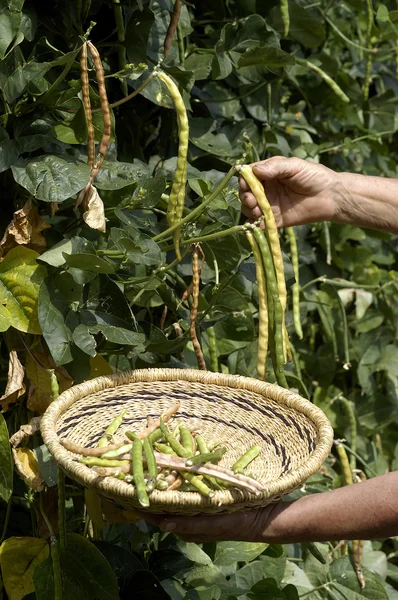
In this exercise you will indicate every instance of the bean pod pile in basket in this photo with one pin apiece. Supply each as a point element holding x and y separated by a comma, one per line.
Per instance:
<point>161,459</point>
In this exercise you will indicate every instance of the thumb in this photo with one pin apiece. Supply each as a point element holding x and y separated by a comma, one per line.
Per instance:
<point>278,167</point>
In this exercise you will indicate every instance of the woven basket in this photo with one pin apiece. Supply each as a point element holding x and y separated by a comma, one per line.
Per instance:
<point>295,435</point>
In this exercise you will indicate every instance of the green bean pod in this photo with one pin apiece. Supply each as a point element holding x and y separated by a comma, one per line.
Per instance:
<point>199,484</point>
<point>111,429</point>
<point>177,194</point>
<point>202,446</point>
<point>277,307</point>
<point>326,78</point>
<point>263,317</point>
<point>213,351</point>
<point>170,439</point>
<point>295,286</point>
<point>246,459</point>
<point>213,457</point>
<point>165,449</point>
<point>345,464</point>
<point>352,423</point>
<point>155,436</point>
<point>97,461</point>
<point>150,458</point>
<point>284,6</point>
<point>186,439</point>
<point>118,452</point>
<point>137,470</point>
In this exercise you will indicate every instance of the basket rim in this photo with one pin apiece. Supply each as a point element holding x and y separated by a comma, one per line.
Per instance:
<point>86,477</point>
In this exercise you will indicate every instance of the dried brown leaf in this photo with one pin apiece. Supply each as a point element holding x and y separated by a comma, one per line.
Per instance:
<point>25,229</point>
<point>15,385</point>
<point>94,214</point>
<point>25,431</point>
<point>40,393</point>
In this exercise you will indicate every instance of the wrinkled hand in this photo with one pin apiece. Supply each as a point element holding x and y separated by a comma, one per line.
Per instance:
<point>298,191</point>
<point>248,526</point>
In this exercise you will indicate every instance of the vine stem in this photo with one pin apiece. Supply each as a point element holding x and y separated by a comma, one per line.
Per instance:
<point>54,553</point>
<point>61,509</point>
<point>6,520</point>
<point>117,11</point>
<point>355,140</point>
<point>130,96</point>
<point>197,211</point>
<point>60,78</point>
<point>345,38</point>
<point>340,284</point>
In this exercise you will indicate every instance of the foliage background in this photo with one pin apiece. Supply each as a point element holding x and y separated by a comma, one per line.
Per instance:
<point>82,303</point>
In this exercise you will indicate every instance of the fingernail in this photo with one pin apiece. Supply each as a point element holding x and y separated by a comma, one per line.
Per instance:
<point>169,526</point>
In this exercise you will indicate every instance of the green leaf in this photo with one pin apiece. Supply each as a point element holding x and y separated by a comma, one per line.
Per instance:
<point>166,563</point>
<point>5,318</point>
<point>347,583</point>
<point>8,150</point>
<point>193,552</point>
<point>52,314</point>
<point>6,466</point>
<point>116,175</point>
<point>267,56</point>
<point>56,256</point>
<point>304,28</point>
<point>123,563</point>
<point>20,279</point>
<point>89,262</point>
<point>9,26</point>
<point>23,75</point>
<point>115,330</point>
<point>86,574</point>
<point>84,340</point>
<point>51,178</point>
<point>48,468</point>
<point>228,553</point>
<point>145,585</point>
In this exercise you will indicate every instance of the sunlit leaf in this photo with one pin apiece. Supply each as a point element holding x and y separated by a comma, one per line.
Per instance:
<point>19,558</point>
<point>20,279</point>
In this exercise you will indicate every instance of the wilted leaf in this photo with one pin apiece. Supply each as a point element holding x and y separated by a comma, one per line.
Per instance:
<point>6,469</point>
<point>20,279</point>
<point>94,214</point>
<point>27,466</point>
<point>15,385</point>
<point>25,229</point>
<point>363,300</point>
<point>40,393</point>
<point>94,508</point>
<point>19,557</point>
<point>25,431</point>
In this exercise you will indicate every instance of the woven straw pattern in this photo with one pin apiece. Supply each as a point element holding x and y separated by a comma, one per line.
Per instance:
<point>296,436</point>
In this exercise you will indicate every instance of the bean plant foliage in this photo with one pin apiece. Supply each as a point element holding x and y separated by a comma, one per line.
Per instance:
<point>86,292</point>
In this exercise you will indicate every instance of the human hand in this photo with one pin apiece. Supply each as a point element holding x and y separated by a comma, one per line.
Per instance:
<point>298,191</point>
<point>248,526</point>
